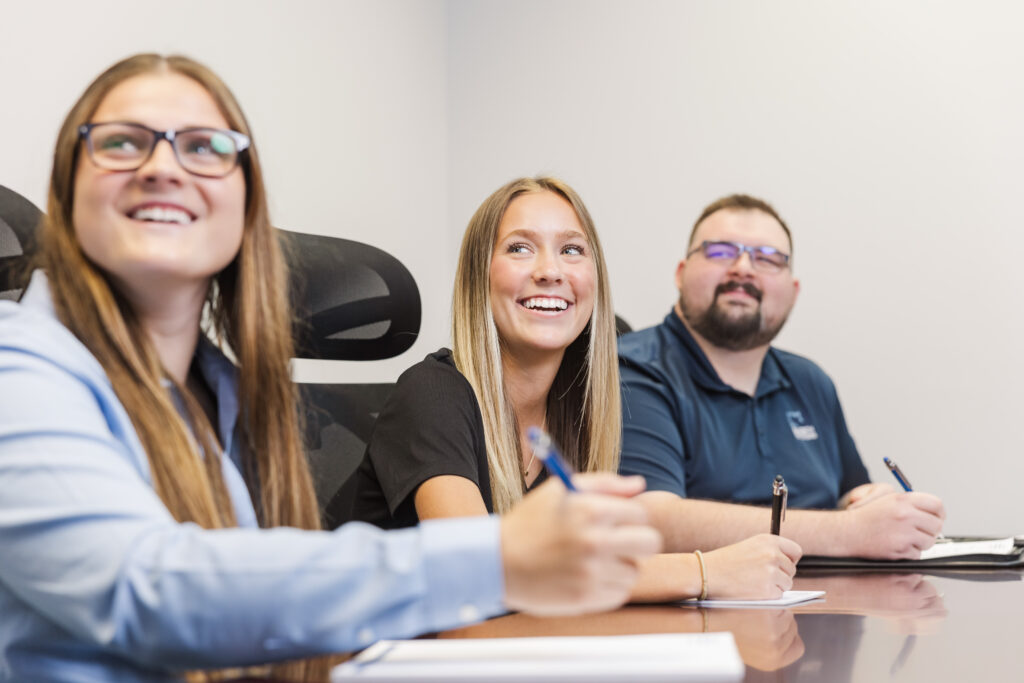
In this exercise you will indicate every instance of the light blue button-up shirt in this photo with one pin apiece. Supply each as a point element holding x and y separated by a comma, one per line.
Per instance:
<point>99,582</point>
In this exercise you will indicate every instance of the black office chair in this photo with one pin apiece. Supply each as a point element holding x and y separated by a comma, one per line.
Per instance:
<point>19,219</point>
<point>353,302</point>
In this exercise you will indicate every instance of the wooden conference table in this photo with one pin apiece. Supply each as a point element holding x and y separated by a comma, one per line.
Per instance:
<point>935,627</point>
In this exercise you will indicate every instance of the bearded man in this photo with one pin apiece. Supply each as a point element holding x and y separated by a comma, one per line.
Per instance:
<point>712,412</point>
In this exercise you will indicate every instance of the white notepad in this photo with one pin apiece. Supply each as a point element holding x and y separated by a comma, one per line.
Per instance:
<point>651,657</point>
<point>788,598</point>
<point>995,546</point>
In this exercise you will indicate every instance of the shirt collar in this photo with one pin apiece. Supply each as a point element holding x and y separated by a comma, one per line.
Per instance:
<point>703,373</point>
<point>221,375</point>
<point>772,376</point>
<point>37,294</point>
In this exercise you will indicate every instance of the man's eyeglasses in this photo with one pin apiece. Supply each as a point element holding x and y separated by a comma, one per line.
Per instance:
<point>207,152</point>
<point>765,259</point>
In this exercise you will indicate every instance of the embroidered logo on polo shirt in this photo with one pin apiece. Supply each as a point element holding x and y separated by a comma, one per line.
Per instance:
<point>803,432</point>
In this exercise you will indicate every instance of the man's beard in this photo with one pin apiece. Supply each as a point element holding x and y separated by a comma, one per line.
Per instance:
<point>742,333</point>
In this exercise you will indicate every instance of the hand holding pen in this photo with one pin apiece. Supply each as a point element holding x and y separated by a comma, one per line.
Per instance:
<point>905,483</point>
<point>568,551</point>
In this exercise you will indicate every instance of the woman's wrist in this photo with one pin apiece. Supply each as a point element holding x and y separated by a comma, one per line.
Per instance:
<point>703,568</point>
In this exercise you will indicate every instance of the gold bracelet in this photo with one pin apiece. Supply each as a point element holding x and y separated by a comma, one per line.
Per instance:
<point>703,575</point>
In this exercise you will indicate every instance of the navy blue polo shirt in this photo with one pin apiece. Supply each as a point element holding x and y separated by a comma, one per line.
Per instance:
<point>688,432</point>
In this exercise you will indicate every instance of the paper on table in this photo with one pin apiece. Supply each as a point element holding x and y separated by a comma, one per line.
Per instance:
<point>653,657</point>
<point>998,546</point>
<point>788,598</point>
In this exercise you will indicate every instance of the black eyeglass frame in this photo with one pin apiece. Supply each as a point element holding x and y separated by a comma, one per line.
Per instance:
<point>241,140</point>
<point>742,249</point>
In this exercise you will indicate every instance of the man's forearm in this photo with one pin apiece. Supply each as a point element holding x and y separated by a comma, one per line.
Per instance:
<point>688,524</point>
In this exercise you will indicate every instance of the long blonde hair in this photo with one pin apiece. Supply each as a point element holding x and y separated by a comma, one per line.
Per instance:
<point>248,311</point>
<point>583,409</point>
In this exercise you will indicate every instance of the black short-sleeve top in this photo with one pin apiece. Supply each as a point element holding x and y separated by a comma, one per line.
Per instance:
<point>430,426</point>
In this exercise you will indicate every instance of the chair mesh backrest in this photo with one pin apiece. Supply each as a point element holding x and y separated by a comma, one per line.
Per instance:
<point>19,219</point>
<point>352,302</point>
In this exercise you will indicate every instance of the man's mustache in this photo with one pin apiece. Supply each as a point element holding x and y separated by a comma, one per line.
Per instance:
<point>733,285</point>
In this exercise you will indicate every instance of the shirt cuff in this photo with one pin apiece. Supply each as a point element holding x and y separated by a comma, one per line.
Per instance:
<point>457,596</point>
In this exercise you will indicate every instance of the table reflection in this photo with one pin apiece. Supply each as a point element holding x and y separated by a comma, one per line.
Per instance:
<point>893,627</point>
<point>814,641</point>
<point>910,603</point>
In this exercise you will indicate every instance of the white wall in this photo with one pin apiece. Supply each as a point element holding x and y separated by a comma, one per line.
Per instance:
<point>347,100</point>
<point>888,135</point>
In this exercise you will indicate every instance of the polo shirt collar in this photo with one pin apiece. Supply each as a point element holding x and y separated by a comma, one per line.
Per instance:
<point>703,373</point>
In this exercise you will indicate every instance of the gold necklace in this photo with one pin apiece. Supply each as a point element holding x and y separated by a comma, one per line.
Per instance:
<point>533,456</point>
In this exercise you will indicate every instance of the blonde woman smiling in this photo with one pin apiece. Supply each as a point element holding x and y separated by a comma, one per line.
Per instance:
<point>534,344</point>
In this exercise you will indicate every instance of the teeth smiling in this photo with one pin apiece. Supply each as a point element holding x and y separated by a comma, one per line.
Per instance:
<point>162,214</point>
<point>545,303</point>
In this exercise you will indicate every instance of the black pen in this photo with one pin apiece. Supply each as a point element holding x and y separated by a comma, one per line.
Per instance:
<point>779,496</point>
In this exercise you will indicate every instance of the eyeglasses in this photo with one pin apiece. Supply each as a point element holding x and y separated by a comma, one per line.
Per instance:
<point>765,259</point>
<point>207,152</point>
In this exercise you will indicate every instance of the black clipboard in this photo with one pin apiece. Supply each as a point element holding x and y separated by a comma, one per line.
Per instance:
<point>981,561</point>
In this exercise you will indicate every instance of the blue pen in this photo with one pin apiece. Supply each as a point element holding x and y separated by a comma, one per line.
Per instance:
<point>898,473</point>
<point>542,447</point>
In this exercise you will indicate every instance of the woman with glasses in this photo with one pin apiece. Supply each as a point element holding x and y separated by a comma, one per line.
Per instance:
<point>534,346</point>
<point>142,468</point>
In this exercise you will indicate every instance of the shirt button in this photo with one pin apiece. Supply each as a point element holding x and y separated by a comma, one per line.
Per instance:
<point>468,613</point>
<point>365,636</point>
